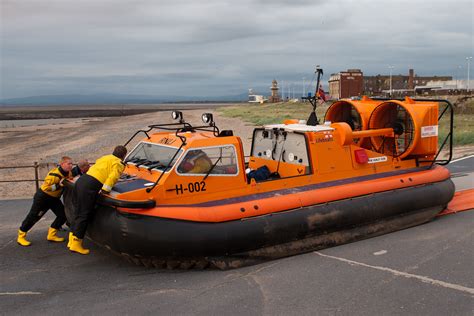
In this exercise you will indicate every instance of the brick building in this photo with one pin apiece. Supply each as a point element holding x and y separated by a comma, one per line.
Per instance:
<point>346,84</point>
<point>375,85</point>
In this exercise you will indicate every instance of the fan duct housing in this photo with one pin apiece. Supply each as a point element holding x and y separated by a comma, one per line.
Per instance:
<point>356,113</point>
<point>415,127</point>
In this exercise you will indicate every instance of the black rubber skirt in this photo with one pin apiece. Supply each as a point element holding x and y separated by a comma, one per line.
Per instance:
<point>270,236</point>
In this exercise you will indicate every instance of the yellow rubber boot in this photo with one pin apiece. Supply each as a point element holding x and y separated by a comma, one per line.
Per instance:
<point>76,246</point>
<point>52,235</point>
<point>22,239</point>
<point>69,240</point>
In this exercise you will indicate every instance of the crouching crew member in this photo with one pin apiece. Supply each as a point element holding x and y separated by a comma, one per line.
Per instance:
<point>102,176</point>
<point>81,168</point>
<point>48,197</point>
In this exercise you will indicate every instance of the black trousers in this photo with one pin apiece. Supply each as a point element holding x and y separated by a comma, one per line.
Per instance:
<point>43,202</point>
<point>86,191</point>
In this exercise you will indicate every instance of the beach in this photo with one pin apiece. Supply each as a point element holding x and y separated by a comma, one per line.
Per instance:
<point>83,137</point>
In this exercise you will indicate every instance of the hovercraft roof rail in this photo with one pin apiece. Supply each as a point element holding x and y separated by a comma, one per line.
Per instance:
<point>181,127</point>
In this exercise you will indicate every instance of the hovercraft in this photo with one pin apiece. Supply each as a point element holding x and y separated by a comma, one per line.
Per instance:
<point>370,169</point>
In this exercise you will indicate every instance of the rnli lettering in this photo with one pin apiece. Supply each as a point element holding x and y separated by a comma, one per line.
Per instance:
<point>167,141</point>
<point>323,140</point>
<point>191,187</point>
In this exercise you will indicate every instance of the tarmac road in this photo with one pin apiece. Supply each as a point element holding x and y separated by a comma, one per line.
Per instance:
<point>425,270</point>
<point>462,172</point>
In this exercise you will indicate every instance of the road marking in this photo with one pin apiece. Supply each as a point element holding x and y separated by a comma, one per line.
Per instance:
<point>20,293</point>
<point>381,252</point>
<point>459,159</point>
<point>404,274</point>
<point>8,243</point>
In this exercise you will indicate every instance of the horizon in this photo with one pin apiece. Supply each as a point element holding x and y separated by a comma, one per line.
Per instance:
<point>212,98</point>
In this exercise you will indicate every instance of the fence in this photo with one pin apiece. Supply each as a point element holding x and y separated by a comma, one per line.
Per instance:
<point>36,166</point>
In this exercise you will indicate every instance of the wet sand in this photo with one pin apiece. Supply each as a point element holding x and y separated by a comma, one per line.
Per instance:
<point>82,111</point>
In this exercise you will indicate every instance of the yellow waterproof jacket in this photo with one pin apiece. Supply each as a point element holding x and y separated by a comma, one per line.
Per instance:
<point>201,165</point>
<point>51,184</point>
<point>107,170</point>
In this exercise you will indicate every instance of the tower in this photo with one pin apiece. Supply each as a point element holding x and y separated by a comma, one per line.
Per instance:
<point>275,97</point>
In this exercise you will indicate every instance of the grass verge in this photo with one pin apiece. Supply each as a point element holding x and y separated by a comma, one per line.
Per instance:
<point>272,113</point>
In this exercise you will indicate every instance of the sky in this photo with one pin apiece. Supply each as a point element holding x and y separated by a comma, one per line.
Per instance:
<point>222,47</point>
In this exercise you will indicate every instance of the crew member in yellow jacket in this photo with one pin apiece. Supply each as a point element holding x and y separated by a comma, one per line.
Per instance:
<point>48,197</point>
<point>196,161</point>
<point>101,177</point>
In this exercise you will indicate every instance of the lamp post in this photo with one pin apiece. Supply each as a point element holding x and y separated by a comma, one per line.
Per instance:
<point>458,69</point>
<point>282,91</point>
<point>391,68</point>
<point>304,90</point>
<point>468,72</point>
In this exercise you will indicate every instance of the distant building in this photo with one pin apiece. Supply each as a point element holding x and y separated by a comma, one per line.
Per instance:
<point>274,97</point>
<point>346,84</point>
<point>256,98</point>
<point>445,87</point>
<point>379,84</point>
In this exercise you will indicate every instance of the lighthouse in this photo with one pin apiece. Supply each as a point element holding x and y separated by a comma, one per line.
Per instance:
<point>275,97</point>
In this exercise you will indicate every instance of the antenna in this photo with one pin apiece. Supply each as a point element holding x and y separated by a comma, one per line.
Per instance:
<point>313,119</point>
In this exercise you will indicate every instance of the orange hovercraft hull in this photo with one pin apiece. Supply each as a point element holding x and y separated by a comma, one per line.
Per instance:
<point>283,223</point>
<point>304,186</point>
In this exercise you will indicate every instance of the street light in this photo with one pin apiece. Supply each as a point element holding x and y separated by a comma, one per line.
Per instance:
<point>283,91</point>
<point>391,68</point>
<point>468,72</point>
<point>304,90</point>
<point>458,69</point>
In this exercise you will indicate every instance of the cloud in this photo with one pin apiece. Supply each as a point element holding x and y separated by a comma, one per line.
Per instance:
<point>215,47</point>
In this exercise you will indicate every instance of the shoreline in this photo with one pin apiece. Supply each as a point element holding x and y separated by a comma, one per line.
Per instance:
<point>12,113</point>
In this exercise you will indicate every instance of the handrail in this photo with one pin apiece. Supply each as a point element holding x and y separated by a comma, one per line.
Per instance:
<point>178,128</point>
<point>35,165</point>
<point>184,125</point>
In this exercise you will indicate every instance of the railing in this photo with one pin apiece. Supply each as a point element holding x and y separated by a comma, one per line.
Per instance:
<point>36,166</point>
